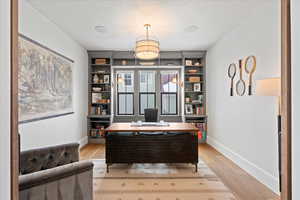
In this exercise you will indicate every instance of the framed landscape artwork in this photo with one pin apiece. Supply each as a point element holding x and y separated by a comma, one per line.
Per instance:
<point>45,82</point>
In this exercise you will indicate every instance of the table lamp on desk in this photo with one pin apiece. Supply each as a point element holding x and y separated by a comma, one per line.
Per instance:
<point>272,87</point>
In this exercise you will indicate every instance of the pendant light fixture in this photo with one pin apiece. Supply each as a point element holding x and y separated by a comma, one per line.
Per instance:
<point>147,48</point>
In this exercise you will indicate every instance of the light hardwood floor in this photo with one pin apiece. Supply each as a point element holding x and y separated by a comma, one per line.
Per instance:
<point>244,186</point>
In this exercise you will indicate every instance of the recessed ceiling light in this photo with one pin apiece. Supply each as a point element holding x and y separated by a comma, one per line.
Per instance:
<point>100,29</point>
<point>191,28</point>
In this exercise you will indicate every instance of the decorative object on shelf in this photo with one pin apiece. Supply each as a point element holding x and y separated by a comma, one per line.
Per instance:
<point>106,79</point>
<point>187,100</point>
<point>124,62</point>
<point>240,85</point>
<point>231,75</point>
<point>97,89</point>
<point>189,109</point>
<point>250,67</point>
<point>45,82</point>
<point>96,78</point>
<point>188,63</point>
<point>197,64</point>
<point>147,63</point>
<point>147,48</point>
<point>192,71</point>
<point>194,79</point>
<point>170,64</point>
<point>197,87</point>
<point>101,72</point>
<point>98,110</point>
<point>200,98</point>
<point>100,61</point>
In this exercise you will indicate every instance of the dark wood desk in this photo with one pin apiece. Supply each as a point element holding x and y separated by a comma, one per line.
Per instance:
<point>176,143</point>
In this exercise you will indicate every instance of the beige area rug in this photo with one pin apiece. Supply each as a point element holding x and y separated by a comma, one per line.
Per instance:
<point>158,182</point>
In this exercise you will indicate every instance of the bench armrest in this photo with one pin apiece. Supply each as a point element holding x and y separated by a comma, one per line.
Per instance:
<point>50,175</point>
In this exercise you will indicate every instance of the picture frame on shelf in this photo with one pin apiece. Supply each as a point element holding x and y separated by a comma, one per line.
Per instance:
<point>96,97</point>
<point>188,62</point>
<point>106,79</point>
<point>197,87</point>
<point>188,109</point>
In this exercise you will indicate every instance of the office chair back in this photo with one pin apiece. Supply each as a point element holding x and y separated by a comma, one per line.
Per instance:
<point>151,115</point>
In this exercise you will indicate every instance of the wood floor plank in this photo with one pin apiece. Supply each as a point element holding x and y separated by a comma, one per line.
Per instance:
<point>243,185</point>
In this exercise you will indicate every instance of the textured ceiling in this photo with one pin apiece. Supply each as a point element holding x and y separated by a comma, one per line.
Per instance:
<point>178,24</point>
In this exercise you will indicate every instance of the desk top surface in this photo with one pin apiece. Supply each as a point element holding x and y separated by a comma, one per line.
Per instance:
<point>176,127</point>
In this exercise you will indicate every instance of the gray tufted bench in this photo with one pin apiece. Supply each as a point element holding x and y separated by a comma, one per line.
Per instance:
<point>55,173</point>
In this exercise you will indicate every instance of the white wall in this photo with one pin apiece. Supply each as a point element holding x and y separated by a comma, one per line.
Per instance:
<point>295,98</point>
<point>5,99</point>
<point>69,128</point>
<point>244,128</point>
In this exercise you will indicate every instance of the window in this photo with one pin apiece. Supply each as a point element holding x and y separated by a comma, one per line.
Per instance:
<point>125,92</point>
<point>147,94</point>
<point>169,92</point>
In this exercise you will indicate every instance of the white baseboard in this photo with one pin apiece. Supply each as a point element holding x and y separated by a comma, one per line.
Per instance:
<point>260,174</point>
<point>83,141</point>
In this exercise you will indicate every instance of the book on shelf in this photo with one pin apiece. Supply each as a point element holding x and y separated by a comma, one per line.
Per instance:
<point>100,61</point>
<point>200,110</point>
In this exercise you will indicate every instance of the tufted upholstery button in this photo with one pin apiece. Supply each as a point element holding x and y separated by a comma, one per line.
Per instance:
<point>50,157</point>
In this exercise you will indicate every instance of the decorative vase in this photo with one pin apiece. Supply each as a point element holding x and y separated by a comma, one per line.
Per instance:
<point>96,78</point>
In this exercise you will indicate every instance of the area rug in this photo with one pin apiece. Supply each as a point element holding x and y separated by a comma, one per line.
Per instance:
<point>158,182</point>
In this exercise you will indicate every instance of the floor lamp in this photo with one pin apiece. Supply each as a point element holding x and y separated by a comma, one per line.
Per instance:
<point>272,87</point>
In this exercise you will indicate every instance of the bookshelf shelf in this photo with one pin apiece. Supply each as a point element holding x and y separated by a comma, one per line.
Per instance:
<point>99,82</point>
<point>194,81</point>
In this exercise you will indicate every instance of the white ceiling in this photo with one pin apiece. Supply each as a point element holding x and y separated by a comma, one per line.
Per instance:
<point>174,22</point>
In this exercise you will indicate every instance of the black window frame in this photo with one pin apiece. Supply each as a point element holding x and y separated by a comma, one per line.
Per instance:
<point>162,93</point>
<point>161,105</point>
<point>143,93</point>
<point>125,93</point>
<point>147,93</point>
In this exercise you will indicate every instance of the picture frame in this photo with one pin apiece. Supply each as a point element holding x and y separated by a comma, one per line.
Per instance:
<point>106,79</point>
<point>49,93</point>
<point>197,87</point>
<point>188,62</point>
<point>189,109</point>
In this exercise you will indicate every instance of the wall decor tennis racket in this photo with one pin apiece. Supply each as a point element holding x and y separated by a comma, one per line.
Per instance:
<point>250,67</point>
<point>231,75</point>
<point>240,85</point>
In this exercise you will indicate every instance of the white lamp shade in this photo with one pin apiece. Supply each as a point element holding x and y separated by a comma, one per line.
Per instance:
<point>147,49</point>
<point>268,87</point>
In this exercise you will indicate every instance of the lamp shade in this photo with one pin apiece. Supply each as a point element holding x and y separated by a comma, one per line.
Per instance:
<point>268,87</point>
<point>147,49</point>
